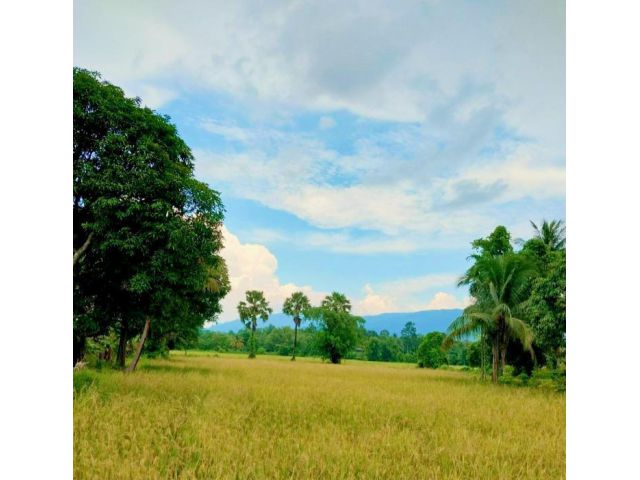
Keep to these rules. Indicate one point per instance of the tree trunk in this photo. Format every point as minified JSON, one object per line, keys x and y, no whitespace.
{"x":136,"y":358}
{"x":496,"y":361}
{"x":295,"y":341}
{"x":252,"y":342}
{"x":82,"y":249}
{"x":483,"y":365}
{"x":122,"y":346}
{"x":79,"y":348}
{"x":335,"y":357}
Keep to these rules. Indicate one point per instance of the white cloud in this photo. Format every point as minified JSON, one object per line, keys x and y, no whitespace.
{"x":409,"y":295}
{"x":460,"y":81}
{"x":253,"y":267}
{"x":373,"y":303}
{"x":368,"y":57}
{"x":444,"y":301}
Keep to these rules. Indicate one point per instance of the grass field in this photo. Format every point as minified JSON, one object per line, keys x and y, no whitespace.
{"x":210,"y":417}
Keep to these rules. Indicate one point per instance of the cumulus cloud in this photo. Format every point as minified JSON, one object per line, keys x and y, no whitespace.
{"x":409,"y":295}
{"x":253,"y":267}
{"x":444,"y":301}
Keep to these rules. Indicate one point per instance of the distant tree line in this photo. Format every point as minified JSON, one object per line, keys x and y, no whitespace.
{"x":370,"y":345}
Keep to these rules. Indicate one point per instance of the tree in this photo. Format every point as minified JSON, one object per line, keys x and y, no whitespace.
{"x":551,"y":234}
{"x":501,"y":285}
{"x":409,"y":336}
{"x":546,"y":307}
{"x":338,"y":329}
{"x":256,"y":306}
{"x":337,"y":302}
{"x":497,"y":243}
{"x":295,"y":306}
{"x":146,"y":232}
{"x":430,"y":353}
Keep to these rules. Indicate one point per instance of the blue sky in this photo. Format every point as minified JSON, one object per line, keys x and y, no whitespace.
{"x":358,"y":146}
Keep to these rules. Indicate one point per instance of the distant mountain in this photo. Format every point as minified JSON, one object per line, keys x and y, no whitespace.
{"x":426,"y":321}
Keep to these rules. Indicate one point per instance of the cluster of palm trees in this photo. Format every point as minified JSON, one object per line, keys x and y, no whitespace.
{"x":255,"y":306}
{"x":499,"y":283}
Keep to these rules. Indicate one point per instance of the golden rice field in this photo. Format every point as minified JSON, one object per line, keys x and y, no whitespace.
{"x":229,"y":417}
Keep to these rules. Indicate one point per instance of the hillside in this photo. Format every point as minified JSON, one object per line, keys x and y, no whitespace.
{"x":426,"y":321}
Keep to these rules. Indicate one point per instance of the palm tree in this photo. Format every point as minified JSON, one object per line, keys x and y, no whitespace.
{"x":255,"y":307}
{"x":551,"y":234}
{"x":337,"y":302}
{"x":293,"y":306}
{"x":500,"y":285}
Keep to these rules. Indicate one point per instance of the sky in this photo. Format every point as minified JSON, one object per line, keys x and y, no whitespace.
{"x":358,"y":146}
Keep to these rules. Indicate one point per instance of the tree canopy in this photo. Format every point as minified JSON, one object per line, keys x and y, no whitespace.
{"x":146,"y":232}
{"x":255,"y":307}
{"x":338,"y":329}
{"x":296,"y":306}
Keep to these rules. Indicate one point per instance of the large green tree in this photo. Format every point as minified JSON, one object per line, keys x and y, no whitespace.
{"x":255,"y":307}
{"x":146,"y":232}
{"x":546,"y":307}
{"x":501,"y":284}
{"x":295,"y":306}
{"x":430,"y":352}
{"x":338,"y":330}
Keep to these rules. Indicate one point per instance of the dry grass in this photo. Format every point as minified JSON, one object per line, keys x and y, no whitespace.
{"x":229,"y":417}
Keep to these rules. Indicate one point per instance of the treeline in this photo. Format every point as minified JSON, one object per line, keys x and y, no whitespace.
{"x":370,"y":345}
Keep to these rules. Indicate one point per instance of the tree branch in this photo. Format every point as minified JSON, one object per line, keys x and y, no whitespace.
{"x":82,"y":249}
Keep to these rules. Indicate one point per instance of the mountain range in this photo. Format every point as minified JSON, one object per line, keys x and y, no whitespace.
{"x":426,"y":321}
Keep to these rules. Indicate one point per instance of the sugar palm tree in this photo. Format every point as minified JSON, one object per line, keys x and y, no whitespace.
{"x":256,"y":306}
{"x":500,"y":287}
{"x":294,"y":306}
{"x":552,"y":234}
{"x":337,"y":302}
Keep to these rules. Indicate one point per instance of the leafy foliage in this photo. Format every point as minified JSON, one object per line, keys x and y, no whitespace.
{"x":339,"y":331}
{"x":409,"y":336}
{"x":430,"y":353}
{"x":296,"y":306}
{"x":149,"y":231}
{"x":256,"y":306}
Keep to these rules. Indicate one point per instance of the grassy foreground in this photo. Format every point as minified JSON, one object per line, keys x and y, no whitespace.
{"x":228,"y":417}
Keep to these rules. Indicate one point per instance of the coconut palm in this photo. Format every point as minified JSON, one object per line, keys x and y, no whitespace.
{"x":500,"y":288}
{"x":551,"y":234}
{"x":337,"y":302}
{"x":294,"y":306}
{"x":255,"y":307}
